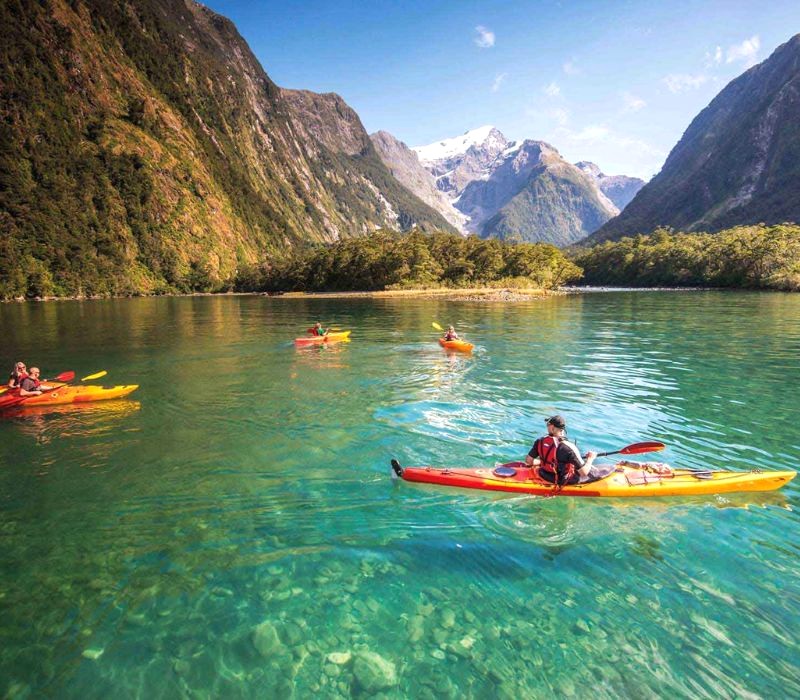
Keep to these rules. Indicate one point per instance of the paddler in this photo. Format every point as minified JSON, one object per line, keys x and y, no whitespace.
{"x":450,"y":333}
{"x":31,"y":385}
{"x":319,"y":330}
{"x":556,"y":459}
{"x":17,"y":375}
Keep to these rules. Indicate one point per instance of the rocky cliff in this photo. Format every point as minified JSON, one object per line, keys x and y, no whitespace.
{"x":620,"y":189}
{"x":404,"y":165}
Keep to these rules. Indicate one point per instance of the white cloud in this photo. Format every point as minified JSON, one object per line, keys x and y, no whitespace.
{"x":498,"y":81}
{"x":680,"y":82}
{"x":484,"y":38}
{"x":560,"y":115}
{"x":714,"y":59}
{"x":632,"y":103}
{"x":619,"y":154}
{"x":570,"y":68}
{"x":552,"y":90}
{"x":746,"y":52}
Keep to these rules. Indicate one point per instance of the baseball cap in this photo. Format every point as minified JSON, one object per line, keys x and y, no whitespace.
{"x":557,"y":421}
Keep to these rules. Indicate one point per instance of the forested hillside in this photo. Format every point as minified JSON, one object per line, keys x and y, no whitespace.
{"x":143,"y":149}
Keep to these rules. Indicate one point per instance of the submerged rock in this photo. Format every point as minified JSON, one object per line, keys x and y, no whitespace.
{"x":373,"y":673}
{"x":340,"y":658}
{"x":266,"y":640}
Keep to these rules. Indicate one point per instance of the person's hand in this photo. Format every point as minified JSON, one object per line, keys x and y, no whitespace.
{"x":591,"y":455}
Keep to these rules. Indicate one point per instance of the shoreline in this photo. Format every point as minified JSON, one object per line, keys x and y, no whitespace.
{"x":506,"y":294}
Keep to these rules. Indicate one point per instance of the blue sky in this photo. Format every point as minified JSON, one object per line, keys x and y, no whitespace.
{"x":616,"y":83}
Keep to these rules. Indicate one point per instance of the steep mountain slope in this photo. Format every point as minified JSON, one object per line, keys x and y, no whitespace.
{"x":737,"y":163}
{"x":143,"y":148}
{"x":521,"y":190}
{"x":620,"y":189}
{"x":404,"y":165}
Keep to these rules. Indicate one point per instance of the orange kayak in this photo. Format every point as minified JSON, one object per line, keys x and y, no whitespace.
{"x":459,"y":345}
{"x":320,"y":339}
{"x":68,"y":394}
{"x":624,"y":481}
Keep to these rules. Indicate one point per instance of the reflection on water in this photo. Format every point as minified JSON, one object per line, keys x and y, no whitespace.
{"x":234,"y":532}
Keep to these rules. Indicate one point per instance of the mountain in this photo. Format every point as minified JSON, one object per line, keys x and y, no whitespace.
{"x":620,"y":189}
{"x":522,"y":190}
{"x":144,"y":149}
{"x":737,"y":163}
{"x":404,"y":165}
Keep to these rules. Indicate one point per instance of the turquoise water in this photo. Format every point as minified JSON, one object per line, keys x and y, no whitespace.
{"x":233,"y":530}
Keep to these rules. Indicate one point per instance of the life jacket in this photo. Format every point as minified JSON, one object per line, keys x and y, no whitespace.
{"x":547,"y":451}
{"x":36,"y":383}
{"x":18,"y":377}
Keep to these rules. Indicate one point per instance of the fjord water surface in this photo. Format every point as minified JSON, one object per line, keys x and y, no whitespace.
{"x":232,"y":531}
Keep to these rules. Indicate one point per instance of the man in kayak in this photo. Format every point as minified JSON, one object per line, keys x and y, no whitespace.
{"x":450,"y":334}
{"x":319,"y":330}
{"x":556,"y":459}
{"x":31,"y":385}
{"x":17,"y":375}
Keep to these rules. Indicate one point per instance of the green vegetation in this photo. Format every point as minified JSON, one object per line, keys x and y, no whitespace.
{"x":387,"y":259}
{"x":143,"y":150}
{"x":748,"y":257}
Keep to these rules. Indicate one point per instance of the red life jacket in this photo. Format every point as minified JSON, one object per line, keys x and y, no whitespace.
{"x":547,"y":451}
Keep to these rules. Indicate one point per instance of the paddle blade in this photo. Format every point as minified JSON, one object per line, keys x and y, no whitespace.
{"x":65,"y":377}
{"x":96,"y":375}
{"x":641,"y":447}
{"x":437,"y":326}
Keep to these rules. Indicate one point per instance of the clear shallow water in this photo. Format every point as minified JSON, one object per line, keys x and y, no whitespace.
{"x":232,"y":527}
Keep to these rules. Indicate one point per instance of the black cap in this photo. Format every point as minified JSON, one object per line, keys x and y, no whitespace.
{"x":557,"y":421}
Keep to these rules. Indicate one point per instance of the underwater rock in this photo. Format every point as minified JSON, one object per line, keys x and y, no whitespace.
{"x":266,"y":640}
{"x":373,"y":673}
{"x":448,"y":618}
{"x":340,"y":658}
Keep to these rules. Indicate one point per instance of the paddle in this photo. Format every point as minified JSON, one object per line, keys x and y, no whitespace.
{"x":636,"y":448}
{"x":96,"y":375}
{"x":437,"y":326}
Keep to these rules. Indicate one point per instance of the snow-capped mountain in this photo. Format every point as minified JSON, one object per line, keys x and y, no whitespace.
{"x":516,"y":189}
{"x":404,"y":164}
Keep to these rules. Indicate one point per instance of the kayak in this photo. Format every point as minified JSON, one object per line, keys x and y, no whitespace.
{"x":68,"y":394}
{"x":459,"y":345}
{"x":319,"y":339}
{"x":623,"y":481}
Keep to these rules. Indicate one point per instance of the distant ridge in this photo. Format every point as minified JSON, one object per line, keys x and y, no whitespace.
{"x":737,"y":163}
{"x":516,"y":190}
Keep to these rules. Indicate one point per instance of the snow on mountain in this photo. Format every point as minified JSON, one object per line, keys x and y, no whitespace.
{"x":521,"y":189}
{"x":455,"y":146}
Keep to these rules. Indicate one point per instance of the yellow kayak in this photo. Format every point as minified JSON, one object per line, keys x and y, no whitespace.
{"x":68,"y":394}
{"x":623,"y":482}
